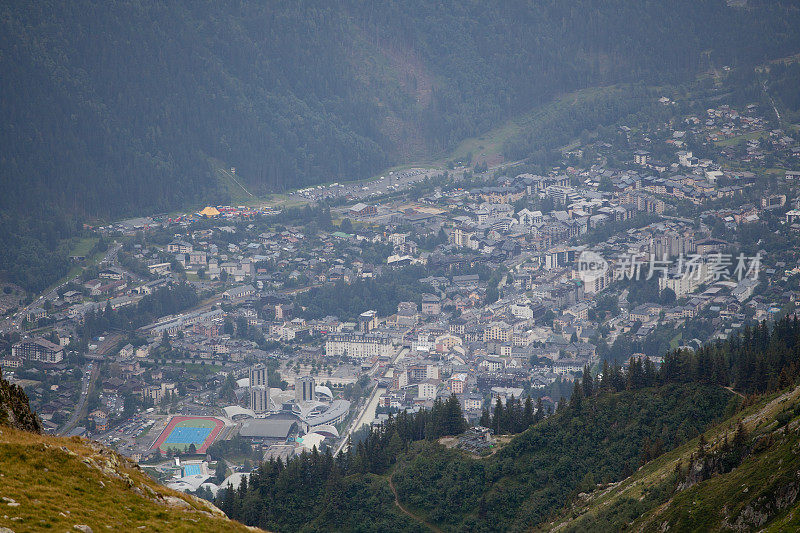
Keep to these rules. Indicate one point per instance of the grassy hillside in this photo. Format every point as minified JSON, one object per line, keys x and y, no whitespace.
{"x":58,"y":483}
{"x":55,"y":484}
{"x":747,"y":485}
{"x":555,"y":124}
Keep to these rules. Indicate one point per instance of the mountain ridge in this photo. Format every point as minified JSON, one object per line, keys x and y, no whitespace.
{"x":759,"y":492}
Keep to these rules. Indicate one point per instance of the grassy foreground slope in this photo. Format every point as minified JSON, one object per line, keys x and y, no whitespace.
{"x":49,"y":483}
{"x":743,"y":478}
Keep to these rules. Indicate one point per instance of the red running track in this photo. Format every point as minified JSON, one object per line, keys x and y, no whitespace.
{"x":218,"y":426}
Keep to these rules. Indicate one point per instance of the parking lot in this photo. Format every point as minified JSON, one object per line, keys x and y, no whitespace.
{"x":393,"y":181}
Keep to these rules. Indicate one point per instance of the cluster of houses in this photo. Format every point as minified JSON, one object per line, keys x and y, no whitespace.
{"x":521,"y":269}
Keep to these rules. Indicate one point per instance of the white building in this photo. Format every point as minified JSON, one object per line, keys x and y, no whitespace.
{"x":686,"y":283}
{"x":304,"y":389}
{"x":427,"y":389}
{"x":259,"y":376}
{"x":38,"y":349}
{"x":358,"y":345}
{"x":793,"y":216}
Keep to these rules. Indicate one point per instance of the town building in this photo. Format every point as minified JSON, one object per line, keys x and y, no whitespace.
{"x":38,"y":349}
{"x":358,"y":345}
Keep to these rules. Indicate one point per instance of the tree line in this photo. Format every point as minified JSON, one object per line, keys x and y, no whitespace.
{"x":515,"y":416}
{"x":759,"y":359}
{"x":285,"y":496}
{"x":168,"y":300}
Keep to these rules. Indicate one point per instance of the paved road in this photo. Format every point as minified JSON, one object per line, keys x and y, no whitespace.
{"x":367,"y":413}
{"x":392,"y":182}
{"x":88,"y":381}
{"x":365,"y":416}
{"x":774,"y":107}
{"x":90,"y":374}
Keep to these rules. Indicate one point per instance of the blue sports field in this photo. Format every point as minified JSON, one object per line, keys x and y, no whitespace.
{"x":184,"y":431}
{"x":188,"y":435}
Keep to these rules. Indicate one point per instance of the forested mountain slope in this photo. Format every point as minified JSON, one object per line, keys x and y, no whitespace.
{"x":115,"y":106}
{"x":607,"y":431}
{"x":538,"y":471}
{"x":739,"y":476}
{"x":521,"y":485}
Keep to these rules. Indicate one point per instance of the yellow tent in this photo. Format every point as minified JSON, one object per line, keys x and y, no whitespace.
{"x":209,"y":212}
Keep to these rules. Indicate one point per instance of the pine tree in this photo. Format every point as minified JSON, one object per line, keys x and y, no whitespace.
{"x":454,"y":418}
{"x":498,"y":417}
{"x":509,"y":421}
{"x":486,"y":418}
{"x":588,"y":385}
{"x":334,"y":493}
{"x":576,"y":401}
{"x":740,"y":437}
{"x":394,"y":446}
{"x":528,"y":416}
{"x":220,"y":472}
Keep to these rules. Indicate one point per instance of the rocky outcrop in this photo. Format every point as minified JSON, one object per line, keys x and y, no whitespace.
{"x":15,"y":411}
{"x":759,"y":512}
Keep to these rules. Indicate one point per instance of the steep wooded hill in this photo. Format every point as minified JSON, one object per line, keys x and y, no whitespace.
{"x":116,"y":106}
{"x":742,"y":475}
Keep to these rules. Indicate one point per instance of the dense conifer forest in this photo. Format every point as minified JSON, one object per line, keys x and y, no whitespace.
{"x":117,"y":108}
